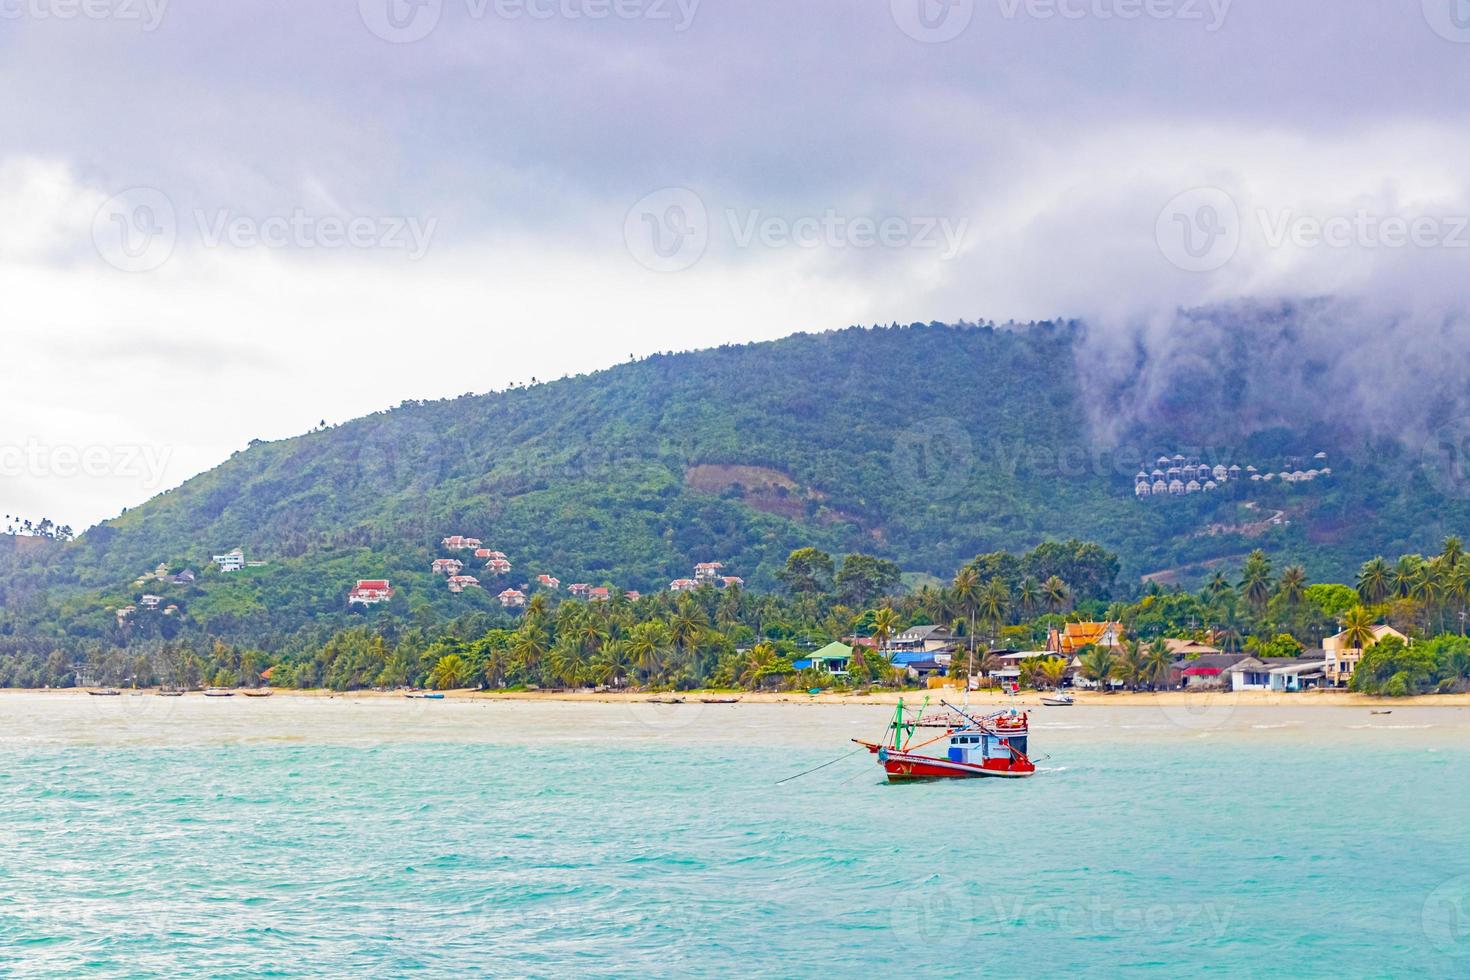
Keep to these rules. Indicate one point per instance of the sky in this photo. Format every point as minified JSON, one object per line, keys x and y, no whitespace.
{"x":221,"y":223}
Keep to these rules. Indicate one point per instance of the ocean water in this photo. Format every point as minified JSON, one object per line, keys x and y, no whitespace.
{"x":289,"y":837}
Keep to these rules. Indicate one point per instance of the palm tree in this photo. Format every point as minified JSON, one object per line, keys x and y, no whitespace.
{"x":885,"y":624}
{"x":1156,"y":665}
{"x":995,"y":602}
{"x":757,"y":664}
{"x":1452,"y":550}
{"x":450,"y":671}
{"x":1357,"y":628}
{"x":1053,"y":671}
{"x":1405,"y":570}
{"x":568,"y":662}
{"x":966,"y":592}
{"x":1373,"y":580}
{"x":530,"y":647}
{"x":1097,"y":665}
{"x":1426,"y":588}
{"x":1056,"y":594}
{"x":1129,"y":667}
{"x":648,"y":643}
{"x":1255,"y":580}
{"x":1029,"y":596}
{"x":1219,"y":585}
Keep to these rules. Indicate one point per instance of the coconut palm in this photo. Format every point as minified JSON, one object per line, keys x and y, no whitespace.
{"x":966,"y":595}
{"x":568,"y":661}
{"x":1028,"y":596}
{"x":530,"y":647}
{"x":1053,"y":671}
{"x":1357,"y":628}
{"x":1374,"y":580}
{"x":1405,"y":571}
{"x":1255,"y":580}
{"x":885,"y":624}
{"x":450,"y":671}
{"x":1097,"y":665}
{"x":1129,"y":667}
{"x":648,"y":645}
{"x":1055,"y":593}
{"x":995,"y":602}
{"x":1156,"y":665}
{"x":1452,"y":550}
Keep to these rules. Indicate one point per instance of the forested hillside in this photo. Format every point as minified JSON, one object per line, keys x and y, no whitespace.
{"x":926,"y":444}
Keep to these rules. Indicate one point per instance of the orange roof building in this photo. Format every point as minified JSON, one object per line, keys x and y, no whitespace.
{"x":1074,"y":636}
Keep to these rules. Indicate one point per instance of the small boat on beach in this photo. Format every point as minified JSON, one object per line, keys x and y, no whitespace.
{"x":1058,"y":700}
{"x":425,"y":695}
{"x":260,"y":692}
{"x":665,"y":700}
{"x":1381,"y":711}
{"x":719,"y":700}
{"x":977,"y":746}
{"x":105,"y":692}
{"x":218,"y":692}
{"x":165,"y":693}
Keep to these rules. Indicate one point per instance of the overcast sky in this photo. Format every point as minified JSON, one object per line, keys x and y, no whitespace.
{"x":221,"y":222}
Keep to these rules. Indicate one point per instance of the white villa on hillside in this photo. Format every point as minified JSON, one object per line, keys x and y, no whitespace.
{"x":230,"y":561}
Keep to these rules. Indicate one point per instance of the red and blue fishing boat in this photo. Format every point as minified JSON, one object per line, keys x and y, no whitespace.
{"x":976,"y":746}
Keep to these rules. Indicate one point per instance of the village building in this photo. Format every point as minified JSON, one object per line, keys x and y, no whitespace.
{"x":1277,"y":673}
{"x":924,"y":639}
{"x":579,"y":590}
{"x":632,"y":595}
{"x":831,"y":659}
{"x":600,"y":593}
{"x":370,"y":591}
{"x":458,"y":583}
{"x":1342,"y":659}
{"x":512,"y":598}
{"x":1204,"y":673}
{"x":458,"y":542}
{"x":707,"y":571}
{"x":230,"y":561}
{"x":726,"y":581}
{"x":1069,"y":640}
{"x":186,"y":577}
{"x":1188,"y":648}
{"x":549,"y":582}
{"x":683,"y":585}
{"x":150,"y":601}
{"x":447,"y":566}
{"x":498,"y":566}
{"x":485,"y":554}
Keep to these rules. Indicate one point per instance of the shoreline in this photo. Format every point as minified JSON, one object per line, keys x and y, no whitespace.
{"x":1027,"y":699}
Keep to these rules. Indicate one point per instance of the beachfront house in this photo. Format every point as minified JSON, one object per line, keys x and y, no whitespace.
{"x":1282,"y":674}
{"x":832,"y":659}
{"x":1188,"y":648}
{"x":1342,"y":659}
{"x":1204,"y":673}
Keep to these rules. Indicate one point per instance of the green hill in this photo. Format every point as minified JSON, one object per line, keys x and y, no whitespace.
{"x":926,"y":444}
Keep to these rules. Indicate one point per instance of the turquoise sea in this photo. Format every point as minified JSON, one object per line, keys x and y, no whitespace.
{"x":347,"y":838}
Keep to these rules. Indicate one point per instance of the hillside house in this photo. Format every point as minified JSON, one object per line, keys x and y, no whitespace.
{"x":186,"y":577}
{"x":458,"y":583}
{"x":485,"y":554}
{"x":230,"y":561}
{"x":599,"y":593}
{"x":369,"y":592}
{"x":683,"y":585}
{"x":512,"y":599}
{"x":632,"y":595}
{"x":727,"y":581}
{"x":579,"y":590}
{"x":498,"y":566}
{"x":150,"y":601}
{"x":549,"y":582}
{"x":447,"y":566}
{"x":707,"y":571}
{"x":1342,"y":659}
{"x":458,"y":542}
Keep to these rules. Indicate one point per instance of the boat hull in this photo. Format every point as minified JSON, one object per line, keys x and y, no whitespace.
{"x":903,"y":767}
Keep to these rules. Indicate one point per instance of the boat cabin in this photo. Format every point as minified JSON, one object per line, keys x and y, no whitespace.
{"x":978,"y":747}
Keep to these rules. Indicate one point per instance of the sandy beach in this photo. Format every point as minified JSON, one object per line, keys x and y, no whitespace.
{"x":1340,"y":699}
